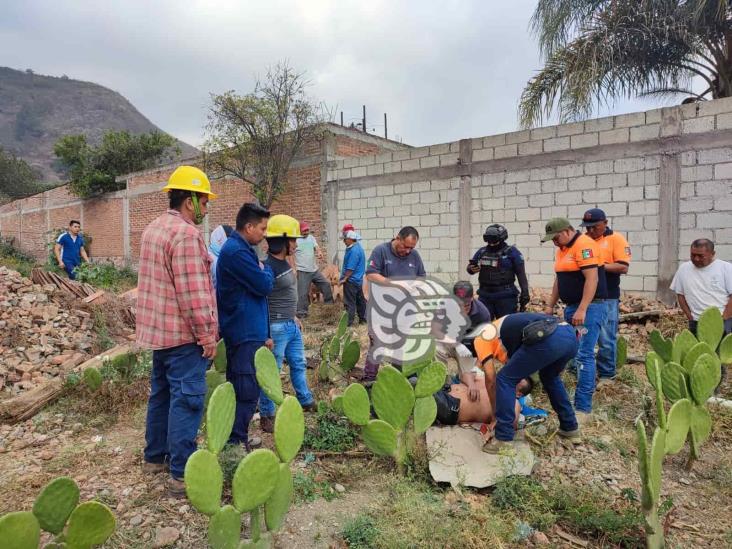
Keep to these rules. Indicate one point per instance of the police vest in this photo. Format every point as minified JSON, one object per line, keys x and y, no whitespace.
{"x":496,"y":268}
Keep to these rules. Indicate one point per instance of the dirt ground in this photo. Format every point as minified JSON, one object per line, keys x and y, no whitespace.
{"x":105,"y":457}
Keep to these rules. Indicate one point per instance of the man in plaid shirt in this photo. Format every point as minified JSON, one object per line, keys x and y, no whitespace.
{"x":177,"y":319}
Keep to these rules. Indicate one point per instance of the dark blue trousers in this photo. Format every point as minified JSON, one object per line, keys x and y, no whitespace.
{"x":175,"y":407}
{"x":500,"y":306}
{"x":69,"y":268}
{"x":242,"y":375}
{"x":548,"y":357}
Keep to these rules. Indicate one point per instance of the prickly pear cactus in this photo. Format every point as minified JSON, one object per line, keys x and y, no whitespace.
{"x":430,"y":380}
{"x":380,"y":437}
{"x":342,"y":326}
{"x":254,"y":480}
{"x":621,"y":352}
{"x":725,"y":350}
{"x":91,"y":523}
{"x":213,"y":380}
{"x":677,"y":426}
{"x":92,"y":378}
{"x":350,"y":356}
{"x":683,"y":343}
{"x":20,"y":530}
{"x":356,"y":404}
{"x":425,"y":413}
{"x":662,"y":346}
{"x":710,"y":327}
{"x":699,"y":429}
{"x":224,"y":528}
{"x":220,"y":417}
{"x":276,"y":507}
{"x":673,"y":377}
{"x":204,"y":481}
{"x":653,"y":364}
{"x":55,"y":503}
{"x":268,"y":375}
{"x":220,"y":361}
{"x":289,"y":429}
{"x":392,"y":397}
{"x":705,"y":376}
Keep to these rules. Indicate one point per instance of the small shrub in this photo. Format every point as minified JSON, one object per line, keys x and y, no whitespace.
{"x":15,"y":259}
{"x":229,"y":459}
{"x":331,"y":433}
{"x":308,"y":487}
{"x":360,"y":532}
{"x":106,"y":276}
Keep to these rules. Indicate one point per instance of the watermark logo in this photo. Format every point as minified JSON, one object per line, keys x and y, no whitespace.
{"x":406,"y":315}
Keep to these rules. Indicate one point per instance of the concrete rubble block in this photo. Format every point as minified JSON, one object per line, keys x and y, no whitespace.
{"x":458,"y":458}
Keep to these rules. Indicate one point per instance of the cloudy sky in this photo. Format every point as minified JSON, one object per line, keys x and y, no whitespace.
{"x":442,"y":70}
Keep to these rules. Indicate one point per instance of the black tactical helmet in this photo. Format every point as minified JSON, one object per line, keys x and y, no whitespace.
{"x":495,"y":234}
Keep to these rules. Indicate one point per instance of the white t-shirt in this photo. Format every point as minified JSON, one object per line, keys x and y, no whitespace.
{"x":707,"y":287}
{"x":305,"y":254}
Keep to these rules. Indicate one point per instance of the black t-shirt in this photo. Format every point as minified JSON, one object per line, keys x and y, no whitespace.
{"x":283,"y":299}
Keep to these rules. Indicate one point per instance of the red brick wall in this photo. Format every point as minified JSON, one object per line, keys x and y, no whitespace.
{"x":346,"y":146}
{"x":103,"y":221}
{"x":34,"y":233}
{"x":301,"y":197}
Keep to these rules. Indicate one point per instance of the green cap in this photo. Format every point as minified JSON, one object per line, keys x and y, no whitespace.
{"x":555,"y":226}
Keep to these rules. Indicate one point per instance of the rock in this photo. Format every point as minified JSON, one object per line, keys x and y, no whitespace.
{"x":184,"y":509}
{"x":539,"y":538}
{"x":166,"y":536}
{"x":339,"y":488}
{"x":136,"y":520}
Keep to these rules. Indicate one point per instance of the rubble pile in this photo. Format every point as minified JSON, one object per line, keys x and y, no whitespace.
{"x":41,"y":336}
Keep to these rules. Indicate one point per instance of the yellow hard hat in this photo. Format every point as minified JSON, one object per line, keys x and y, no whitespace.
{"x":281,"y":225}
{"x":190,"y":178}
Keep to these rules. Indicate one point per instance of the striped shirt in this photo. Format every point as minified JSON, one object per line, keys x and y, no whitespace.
{"x":176,"y":303}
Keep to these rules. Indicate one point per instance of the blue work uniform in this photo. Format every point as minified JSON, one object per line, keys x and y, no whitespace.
{"x":500,"y":266}
{"x":353,"y":298}
{"x":70,"y":252}
{"x":242,"y":288}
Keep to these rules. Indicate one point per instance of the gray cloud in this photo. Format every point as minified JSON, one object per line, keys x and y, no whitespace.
{"x":441,"y":70}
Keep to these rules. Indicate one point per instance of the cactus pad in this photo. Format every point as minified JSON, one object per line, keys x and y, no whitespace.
{"x":323,"y":370}
{"x":655,"y":462}
{"x":673,"y":381}
{"x":643,"y":465}
{"x":621,"y":352}
{"x":425,"y":412}
{"x":220,"y":417}
{"x":268,"y":375}
{"x":700,"y":428}
{"x":653,"y":363}
{"x":224,"y":528}
{"x":356,"y":404}
{"x":213,"y":380}
{"x":392,"y":397}
{"x":725,"y":350}
{"x":204,"y":481}
{"x":92,"y":378}
{"x":55,"y":503}
{"x":683,"y":342}
{"x":220,"y":360}
{"x":342,"y":326}
{"x":411,"y":368}
{"x":91,"y":523}
{"x":351,"y":354}
{"x":276,"y":507}
{"x":710,"y":327}
{"x":694,"y":353}
{"x":334,"y":349}
{"x":289,"y":429}
{"x":704,"y":378}
{"x":677,"y":426}
{"x":380,"y":437}
{"x":19,"y":530}
{"x":254,"y":480}
{"x":431,"y":379}
{"x":337,"y":405}
{"x":265,"y":542}
{"x":661,"y":345}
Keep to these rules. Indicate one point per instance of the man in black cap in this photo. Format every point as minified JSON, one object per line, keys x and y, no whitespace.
{"x":615,"y":254}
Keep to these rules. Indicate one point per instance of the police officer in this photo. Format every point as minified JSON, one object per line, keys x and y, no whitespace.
{"x":498,"y":265}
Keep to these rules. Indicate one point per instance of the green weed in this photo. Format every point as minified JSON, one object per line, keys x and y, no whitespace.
{"x":106,"y":276}
{"x":309,"y":487}
{"x":99,"y":325}
{"x":229,"y":459}
{"x":627,"y":376}
{"x":13,"y":258}
{"x":331,"y":433}
{"x":360,"y":532}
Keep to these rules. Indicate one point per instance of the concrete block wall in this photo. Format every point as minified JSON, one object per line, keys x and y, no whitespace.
{"x":664,"y":177}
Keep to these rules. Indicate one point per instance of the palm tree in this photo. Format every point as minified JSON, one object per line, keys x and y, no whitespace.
{"x":597,"y":51}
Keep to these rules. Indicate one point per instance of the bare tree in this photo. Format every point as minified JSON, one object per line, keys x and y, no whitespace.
{"x":255,"y":137}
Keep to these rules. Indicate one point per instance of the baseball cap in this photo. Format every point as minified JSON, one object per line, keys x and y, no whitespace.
{"x":352,"y":235}
{"x":593,"y":217}
{"x":304,"y":226}
{"x":348,"y":227}
{"x":463,"y":290}
{"x":555,"y":226}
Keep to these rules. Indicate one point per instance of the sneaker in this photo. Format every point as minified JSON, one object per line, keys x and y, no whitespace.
{"x":574,"y":436}
{"x":154,"y":468}
{"x":605,"y":382}
{"x":312,"y":407}
{"x":176,"y":487}
{"x":583,"y":418}
{"x":499,"y":447}
{"x":266,"y":423}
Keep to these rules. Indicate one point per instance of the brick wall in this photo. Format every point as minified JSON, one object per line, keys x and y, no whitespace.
{"x":664,"y":177}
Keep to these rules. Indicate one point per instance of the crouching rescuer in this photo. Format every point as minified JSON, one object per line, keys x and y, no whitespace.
{"x":176,"y":318}
{"x":527,"y":343}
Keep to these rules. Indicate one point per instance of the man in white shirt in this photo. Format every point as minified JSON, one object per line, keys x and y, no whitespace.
{"x":704,"y":282}
{"x":307,"y":255}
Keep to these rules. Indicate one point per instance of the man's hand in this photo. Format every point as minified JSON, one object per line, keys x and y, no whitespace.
{"x":473,"y":268}
{"x":209,"y":351}
{"x":269,"y":344}
{"x":473,"y":391}
{"x":579,"y":317}
{"x":61,"y":264}
{"x":549,"y":310}
{"x":298,"y":323}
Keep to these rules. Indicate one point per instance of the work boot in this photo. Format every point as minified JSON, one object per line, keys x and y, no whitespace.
{"x":176,"y":487}
{"x":312,"y":407}
{"x":266,"y":423}
{"x":574,"y":436}
{"x":253,"y":442}
{"x":583,"y":418}
{"x":499,"y":447}
{"x":154,"y":468}
{"x":605,"y":382}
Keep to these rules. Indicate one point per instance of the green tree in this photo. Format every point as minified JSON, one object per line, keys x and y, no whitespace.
{"x":94,"y":169}
{"x":597,"y":51}
{"x":17,"y":178}
{"x":255,"y":137}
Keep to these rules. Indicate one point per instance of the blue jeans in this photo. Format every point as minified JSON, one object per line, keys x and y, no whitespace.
{"x":608,"y":341}
{"x":288,"y":344}
{"x":594,"y":319}
{"x":175,"y":406}
{"x":549,"y":358}
{"x":241,"y":374}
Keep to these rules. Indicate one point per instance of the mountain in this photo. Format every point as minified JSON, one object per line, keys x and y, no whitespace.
{"x":36,"y":110}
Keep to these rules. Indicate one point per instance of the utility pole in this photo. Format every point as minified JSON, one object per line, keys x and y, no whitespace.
{"x":364,"y":119}
{"x":386,"y":133}
{"x":341,"y":118}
